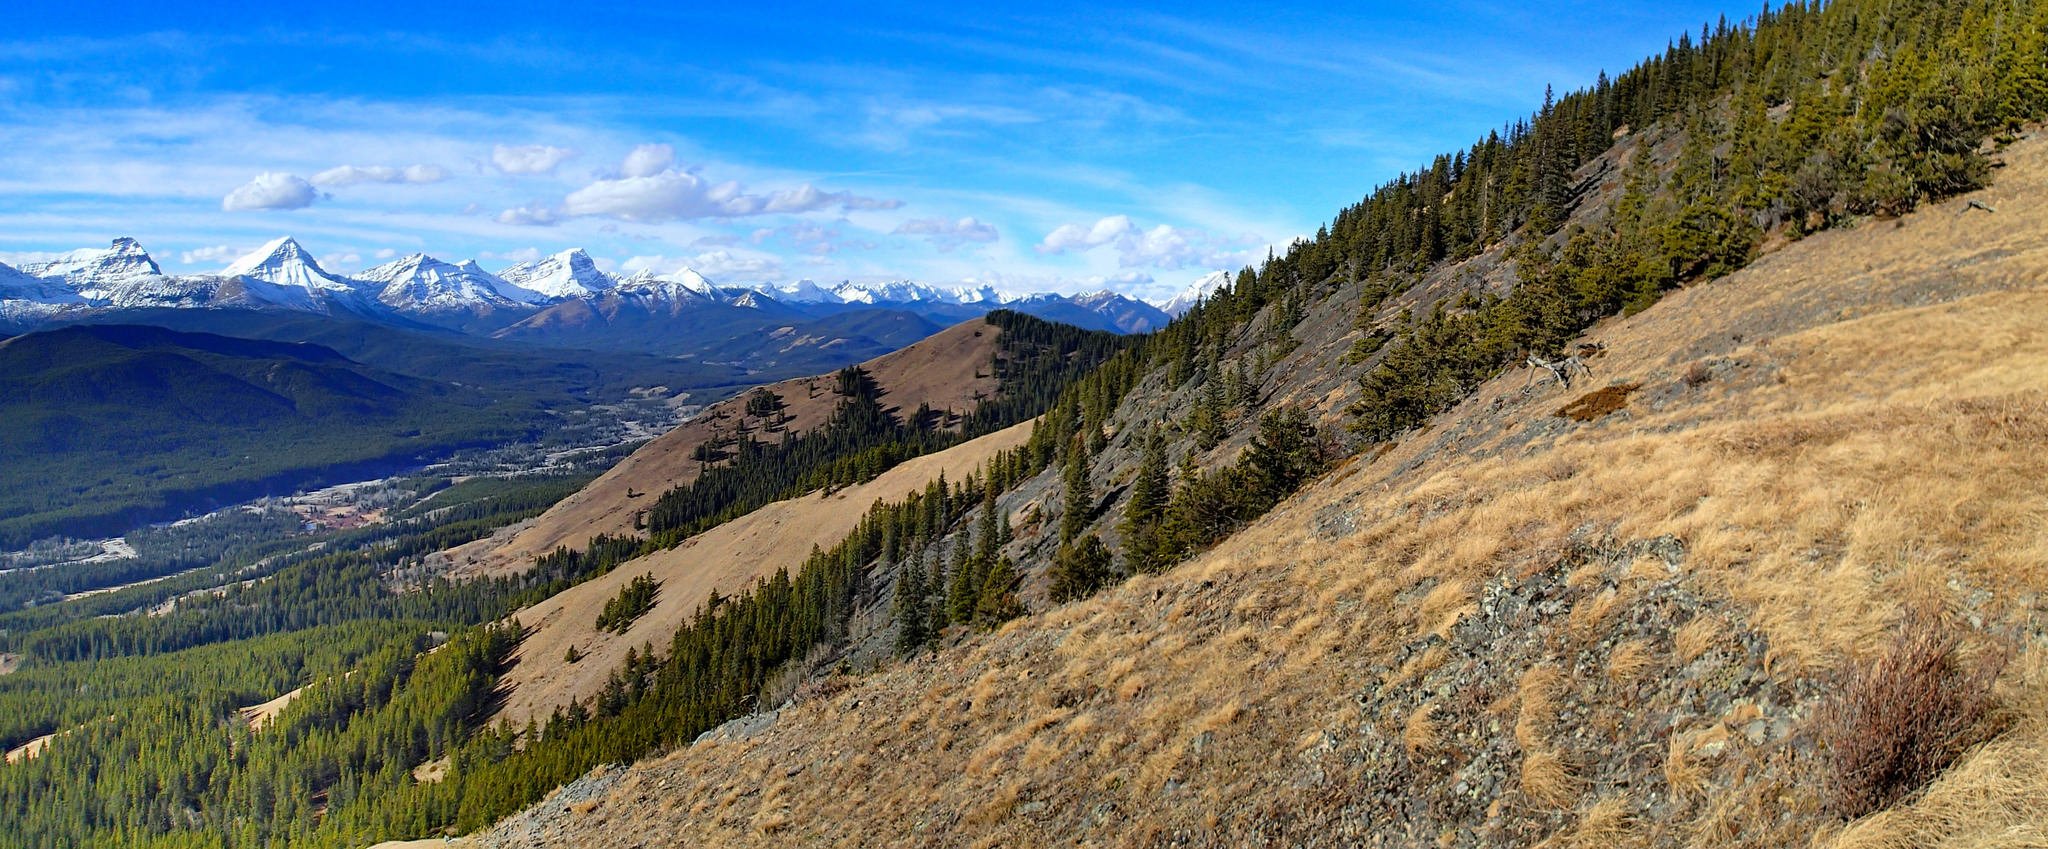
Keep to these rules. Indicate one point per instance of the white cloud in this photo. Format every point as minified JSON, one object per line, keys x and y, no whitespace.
{"x":946,"y":234}
{"x":385,"y":253}
{"x":514,"y":256}
{"x":1122,"y":281}
{"x":529,"y":158}
{"x":208,"y":255}
{"x":715,"y":265}
{"x":345,"y":261}
{"x":682,"y":195}
{"x":271,"y":190}
{"x":21,"y":258}
{"x":530,"y":215}
{"x":348,"y":175}
{"x":648,"y":160}
{"x":1164,"y":246}
{"x":1074,"y":237}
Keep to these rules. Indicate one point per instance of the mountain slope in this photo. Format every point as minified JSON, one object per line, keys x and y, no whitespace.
{"x":1513,"y":626}
{"x":949,"y":370}
{"x":725,"y":560}
{"x":227,"y":418}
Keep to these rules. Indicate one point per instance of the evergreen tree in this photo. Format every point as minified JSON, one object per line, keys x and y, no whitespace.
{"x":912,"y":619}
{"x":1081,"y":568}
{"x":998,"y":602}
{"x":1208,"y":419}
{"x":1284,"y":453}
{"x":1080,"y":496}
{"x":940,"y":610}
{"x":1145,"y":508}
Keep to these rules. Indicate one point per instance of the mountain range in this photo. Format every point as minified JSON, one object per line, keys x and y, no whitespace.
{"x":565,"y":293}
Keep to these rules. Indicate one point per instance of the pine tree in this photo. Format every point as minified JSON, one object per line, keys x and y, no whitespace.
{"x":912,"y":619}
{"x":1146,"y":508}
{"x":1208,"y":421}
{"x":940,"y":611}
{"x":1080,"y":497}
{"x":1282,"y":454}
{"x":1079,"y":569}
{"x":998,"y":601}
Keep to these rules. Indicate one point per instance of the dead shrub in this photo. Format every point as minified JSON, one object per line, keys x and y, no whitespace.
{"x":1598,"y":402}
{"x":1697,"y":375}
{"x":1894,"y":725}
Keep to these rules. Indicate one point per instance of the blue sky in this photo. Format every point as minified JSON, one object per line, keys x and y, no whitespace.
{"x":1036,"y":147}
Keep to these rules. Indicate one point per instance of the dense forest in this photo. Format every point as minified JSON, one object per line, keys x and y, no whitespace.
{"x":1806,"y":117}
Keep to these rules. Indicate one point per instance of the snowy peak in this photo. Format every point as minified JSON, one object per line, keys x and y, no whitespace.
{"x":986,"y":295}
{"x":891,"y":292}
{"x":423,"y":283}
{"x":1200,"y":290}
{"x":90,"y":270}
{"x":804,"y":291}
{"x":682,"y":286}
{"x":569,"y":274}
{"x":282,"y":262}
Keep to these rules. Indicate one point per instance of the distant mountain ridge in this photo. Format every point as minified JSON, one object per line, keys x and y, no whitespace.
{"x":284,"y":275}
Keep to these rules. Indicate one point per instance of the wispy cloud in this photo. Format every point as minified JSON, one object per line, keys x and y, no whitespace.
{"x":673,"y":195}
{"x":529,"y":158}
{"x":1161,"y":246}
{"x":947,"y":234}
{"x":349,"y":175}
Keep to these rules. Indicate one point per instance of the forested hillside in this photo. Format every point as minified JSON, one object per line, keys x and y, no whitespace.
{"x":226,"y":419}
{"x":1669,"y":604}
{"x":1486,"y":627}
{"x":1737,"y":141}
{"x":335,"y":765}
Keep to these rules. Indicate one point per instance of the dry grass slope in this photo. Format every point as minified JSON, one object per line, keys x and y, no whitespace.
{"x":949,"y":370}
{"x":1514,"y":628}
{"x":725,"y":559}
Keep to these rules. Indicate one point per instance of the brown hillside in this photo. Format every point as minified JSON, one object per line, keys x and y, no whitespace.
{"x":725,"y":559}
{"x":949,"y":370}
{"x":1514,"y":629}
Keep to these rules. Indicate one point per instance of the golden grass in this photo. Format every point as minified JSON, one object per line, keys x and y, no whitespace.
{"x":1600,"y":825}
{"x":1870,"y":453}
{"x":1630,"y":660}
{"x":1536,"y":693}
{"x":1548,"y":780}
{"x":1419,"y":733}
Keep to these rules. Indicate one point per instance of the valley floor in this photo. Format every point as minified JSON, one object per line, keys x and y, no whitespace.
{"x":1514,"y":627}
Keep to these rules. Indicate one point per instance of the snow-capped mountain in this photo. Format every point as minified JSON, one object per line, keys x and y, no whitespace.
{"x":890,"y":292}
{"x":803,"y":291}
{"x":420,"y":283}
{"x":283,"y":263}
{"x":26,"y":299}
{"x":885,"y":293}
{"x":683,"y":286}
{"x":18,"y":285}
{"x":1095,"y":310}
{"x":563,"y":290}
{"x":1196,"y":292}
{"x":98,"y":272}
{"x":569,"y":274}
